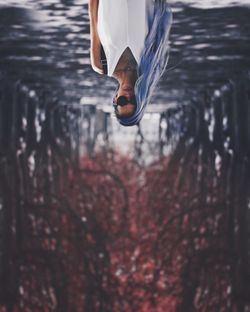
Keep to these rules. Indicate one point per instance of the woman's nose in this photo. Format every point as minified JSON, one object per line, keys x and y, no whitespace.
{"x":128,"y":92}
{"x":127,"y":88}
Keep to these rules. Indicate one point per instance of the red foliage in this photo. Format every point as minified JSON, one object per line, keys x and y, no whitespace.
{"x":121,"y":237}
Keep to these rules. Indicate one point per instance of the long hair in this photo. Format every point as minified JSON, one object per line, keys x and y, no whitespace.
{"x":153,"y":61}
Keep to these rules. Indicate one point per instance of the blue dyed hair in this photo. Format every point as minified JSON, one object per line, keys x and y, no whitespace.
{"x":153,"y":61}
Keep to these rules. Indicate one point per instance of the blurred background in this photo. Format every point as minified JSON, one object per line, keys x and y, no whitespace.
{"x":96,"y":217}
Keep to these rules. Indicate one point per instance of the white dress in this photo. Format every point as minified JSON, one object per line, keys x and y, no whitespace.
{"x":122,"y":24}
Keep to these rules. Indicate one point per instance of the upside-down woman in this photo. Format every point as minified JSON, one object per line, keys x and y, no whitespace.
{"x":129,"y":42}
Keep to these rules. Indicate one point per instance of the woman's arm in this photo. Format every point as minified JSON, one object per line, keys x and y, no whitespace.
{"x":95,"y":43}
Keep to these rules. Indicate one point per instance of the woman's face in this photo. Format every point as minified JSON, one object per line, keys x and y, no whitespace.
{"x":125,"y":111}
{"x":125,"y":100}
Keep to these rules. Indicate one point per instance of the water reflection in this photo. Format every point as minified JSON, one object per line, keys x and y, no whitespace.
{"x":84,"y":227}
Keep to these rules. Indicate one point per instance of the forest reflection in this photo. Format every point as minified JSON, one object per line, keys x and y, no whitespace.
{"x":102,"y":232}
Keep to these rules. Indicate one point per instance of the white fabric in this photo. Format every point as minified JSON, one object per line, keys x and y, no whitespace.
{"x":122,"y":24}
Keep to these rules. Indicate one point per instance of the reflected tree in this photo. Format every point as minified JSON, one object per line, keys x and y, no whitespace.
{"x":98,"y":231}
